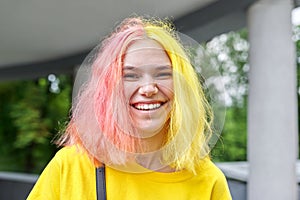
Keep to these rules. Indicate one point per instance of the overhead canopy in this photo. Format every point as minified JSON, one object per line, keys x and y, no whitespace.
{"x":39,"y":37}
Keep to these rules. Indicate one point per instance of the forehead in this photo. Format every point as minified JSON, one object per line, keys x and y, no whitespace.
{"x":146,"y":52}
{"x":144,"y":44}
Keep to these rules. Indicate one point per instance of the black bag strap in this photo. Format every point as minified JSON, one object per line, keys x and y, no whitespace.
{"x":100,"y":183}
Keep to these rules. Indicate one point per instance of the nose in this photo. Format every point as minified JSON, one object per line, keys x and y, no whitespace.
{"x":148,"y":90}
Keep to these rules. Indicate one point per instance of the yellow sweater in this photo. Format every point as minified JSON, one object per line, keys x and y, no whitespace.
{"x":71,"y":175}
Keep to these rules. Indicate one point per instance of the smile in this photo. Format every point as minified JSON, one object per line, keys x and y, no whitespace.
{"x":147,"y":106}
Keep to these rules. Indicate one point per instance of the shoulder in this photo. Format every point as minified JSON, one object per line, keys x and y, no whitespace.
{"x":71,"y":155}
{"x":216,"y":179}
{"x":68,"y":151}
{"x":211,"y":175}
{"x":210,"y":169}
{"x":69,"y":168}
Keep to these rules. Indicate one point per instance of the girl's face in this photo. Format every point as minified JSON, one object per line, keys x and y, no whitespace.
{"x":148,"y":86}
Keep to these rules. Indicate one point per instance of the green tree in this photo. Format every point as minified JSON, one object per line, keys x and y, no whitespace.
{"x":30,"y":116}
{"x":229,"y":54}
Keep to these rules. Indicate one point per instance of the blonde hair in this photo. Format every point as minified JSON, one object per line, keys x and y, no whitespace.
{"x":191,"y":115}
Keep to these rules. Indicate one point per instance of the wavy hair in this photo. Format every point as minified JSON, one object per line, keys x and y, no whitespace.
{"x":100,"y":122}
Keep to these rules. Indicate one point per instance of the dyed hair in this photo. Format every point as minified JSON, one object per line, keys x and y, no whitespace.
{"x":100,"y":122}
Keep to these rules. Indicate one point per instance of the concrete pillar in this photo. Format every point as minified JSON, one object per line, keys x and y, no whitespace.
{"x":272,"y":103}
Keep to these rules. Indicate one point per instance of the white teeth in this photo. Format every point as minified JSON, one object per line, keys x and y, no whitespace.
{"x":147,"y":106}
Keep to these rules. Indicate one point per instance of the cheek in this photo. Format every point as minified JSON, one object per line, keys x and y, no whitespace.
{"x":129,"y":89}
{"x":168,"y":88}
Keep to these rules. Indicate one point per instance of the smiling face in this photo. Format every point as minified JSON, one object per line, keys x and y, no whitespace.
{"x":148,"y":87}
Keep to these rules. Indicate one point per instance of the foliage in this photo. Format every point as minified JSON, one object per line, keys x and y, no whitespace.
{"x":229,"y":54}
{"x":29,"y":118}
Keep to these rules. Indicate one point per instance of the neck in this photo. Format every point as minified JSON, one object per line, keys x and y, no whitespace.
{"x":152,"y":154}
{"x":152,"y":161}
{"x":152,"y":144}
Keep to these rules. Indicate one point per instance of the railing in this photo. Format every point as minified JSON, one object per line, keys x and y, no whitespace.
{"x":236,"y":174}
{"x":15,"y":186}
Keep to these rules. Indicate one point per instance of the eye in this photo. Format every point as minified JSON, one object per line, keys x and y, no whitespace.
{"x":164,"y":75}
{"x":130,"y":76}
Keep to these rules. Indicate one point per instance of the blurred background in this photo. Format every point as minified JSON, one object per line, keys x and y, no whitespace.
{"x":48,"y":41}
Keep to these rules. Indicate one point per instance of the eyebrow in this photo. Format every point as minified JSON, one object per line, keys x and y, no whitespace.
{"x":164,"y":67}
{"x":128,"y":67}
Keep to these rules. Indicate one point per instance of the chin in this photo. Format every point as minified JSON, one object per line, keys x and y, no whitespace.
{"x":149,"y":131}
